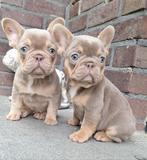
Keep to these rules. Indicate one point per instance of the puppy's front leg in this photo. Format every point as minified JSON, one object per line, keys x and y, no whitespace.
{"x":87,"y":129}
{"x":15,"y":110}
{"x":51,"y":116}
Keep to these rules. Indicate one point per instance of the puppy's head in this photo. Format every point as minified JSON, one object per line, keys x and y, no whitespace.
{"x":36,"y":49}
{"x":84,"y":55}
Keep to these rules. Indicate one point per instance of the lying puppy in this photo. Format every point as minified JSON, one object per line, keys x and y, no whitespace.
{"x":98,"y":105}
{"x":36,"y":88}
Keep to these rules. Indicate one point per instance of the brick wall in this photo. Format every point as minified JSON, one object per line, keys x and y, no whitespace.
{"x":127,"y":62}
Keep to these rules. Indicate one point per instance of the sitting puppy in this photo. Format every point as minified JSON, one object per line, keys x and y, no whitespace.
{"x":36,"y":88}
{"x":98,"y":105}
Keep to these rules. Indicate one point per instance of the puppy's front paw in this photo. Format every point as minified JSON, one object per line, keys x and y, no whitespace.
{"x":79,"y":137}
{"x":39,"y":115}
{"x":73,"y":122}
{"x":14,"y":116}
{"x":50,"y":121}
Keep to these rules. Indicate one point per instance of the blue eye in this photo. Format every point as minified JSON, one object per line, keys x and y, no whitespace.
{"x":51,"y":51}
{"x":24,"y":49}
{"x":74,"y":56}
{"x":102,"y":59}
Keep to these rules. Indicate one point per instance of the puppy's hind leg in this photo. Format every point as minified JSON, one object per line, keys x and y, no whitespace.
{"x":102,"y":136}
{"x":39,"y":115}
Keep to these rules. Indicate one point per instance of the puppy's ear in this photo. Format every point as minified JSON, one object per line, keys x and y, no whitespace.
{"x":59,"y":20}
{"x":13,"y":30}
{"x":106,"y":36}
{"x":62,"y":37}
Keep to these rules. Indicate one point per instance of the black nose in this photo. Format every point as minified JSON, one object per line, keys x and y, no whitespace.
{"x":90,"y":65}
{"x":39,"y":57}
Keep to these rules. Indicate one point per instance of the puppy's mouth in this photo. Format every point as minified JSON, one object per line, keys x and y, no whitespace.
{"x":88,"y":78}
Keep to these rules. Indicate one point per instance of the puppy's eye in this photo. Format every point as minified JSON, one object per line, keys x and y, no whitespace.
{"x":51,"y":50}
{"x":74,"y":56}
{"x":102,"y":59}
{"x":24,"y":49}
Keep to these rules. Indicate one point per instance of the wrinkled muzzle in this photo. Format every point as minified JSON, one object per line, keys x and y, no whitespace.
{"x":87,"y":71}
{"x":38,"y":64}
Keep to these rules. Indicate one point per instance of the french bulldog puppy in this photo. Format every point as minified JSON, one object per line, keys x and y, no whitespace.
{"x":99,"y":106}
{"x":36,"y":88}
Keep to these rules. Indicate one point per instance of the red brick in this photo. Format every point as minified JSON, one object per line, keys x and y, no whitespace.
{"x":3,"y":67}
{"x":139,"y":107}
{"x":4,"y":47}
{"x":23,"y":18}
{"x":5,"y":91}
{"x":78,"y":24}
{"x":127,"y":56}
{"x":64,"y":2}
{"x":74,"y":9}
{"x":89,"y":4}
{"x":103,"y":14}
{"x":133,"y":5}
{"x":141,"y":57}
{"x":44,"y":7}
{"x":138,"y":83}
{"x":132,"y":28}
{"x":124,"y":56}
{"x":13,"y":2}
{"x":2,"y":34}
{"x":119,"y":78}
{"x":6,"y":79}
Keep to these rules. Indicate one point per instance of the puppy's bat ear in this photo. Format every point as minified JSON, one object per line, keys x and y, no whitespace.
{"x":106,"y":36}
{"x":62,"y":37}
{"x":59,"y":20}
{"x":13,"y":31}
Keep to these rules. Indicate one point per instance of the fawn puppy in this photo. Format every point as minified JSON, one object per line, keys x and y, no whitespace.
{"x":36,"y":88}
{"x":99,"y":106}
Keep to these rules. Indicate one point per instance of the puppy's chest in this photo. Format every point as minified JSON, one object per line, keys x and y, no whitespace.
{"x":35,"y":102}
{"x":78,"y":98}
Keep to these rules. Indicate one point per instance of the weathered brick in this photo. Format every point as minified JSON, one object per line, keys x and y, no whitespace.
{"x":141,"y":57}
{"x":3,"y":48}
{"x":124,"y":56}
{"x":5,"y":91}
{"x":78,"y":24}
{"x":133,"y":5}
{"x":6,"y":79}
{"x":23,"y":18}
{"x":44,"y":7}
{"x":138,"y":83}
{"x":119,"y":78}
{"x":2,"y":35}
{"x":89,"y":4}
{"x":139,"y":107}
{"x":103,"y":14}
{"x":74,"y":9}
{"x":130,"y":29}
{"x":13,"y":2}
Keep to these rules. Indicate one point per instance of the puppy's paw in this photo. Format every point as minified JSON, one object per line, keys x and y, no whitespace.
{"x":40,"y":115}
{"x":50,"y":121}
{"x":73,"y":122}
{"x":14,"y":116}
{"x":102,"y":137}
{"x":79,"y":137}
{"x":25,"y":113}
